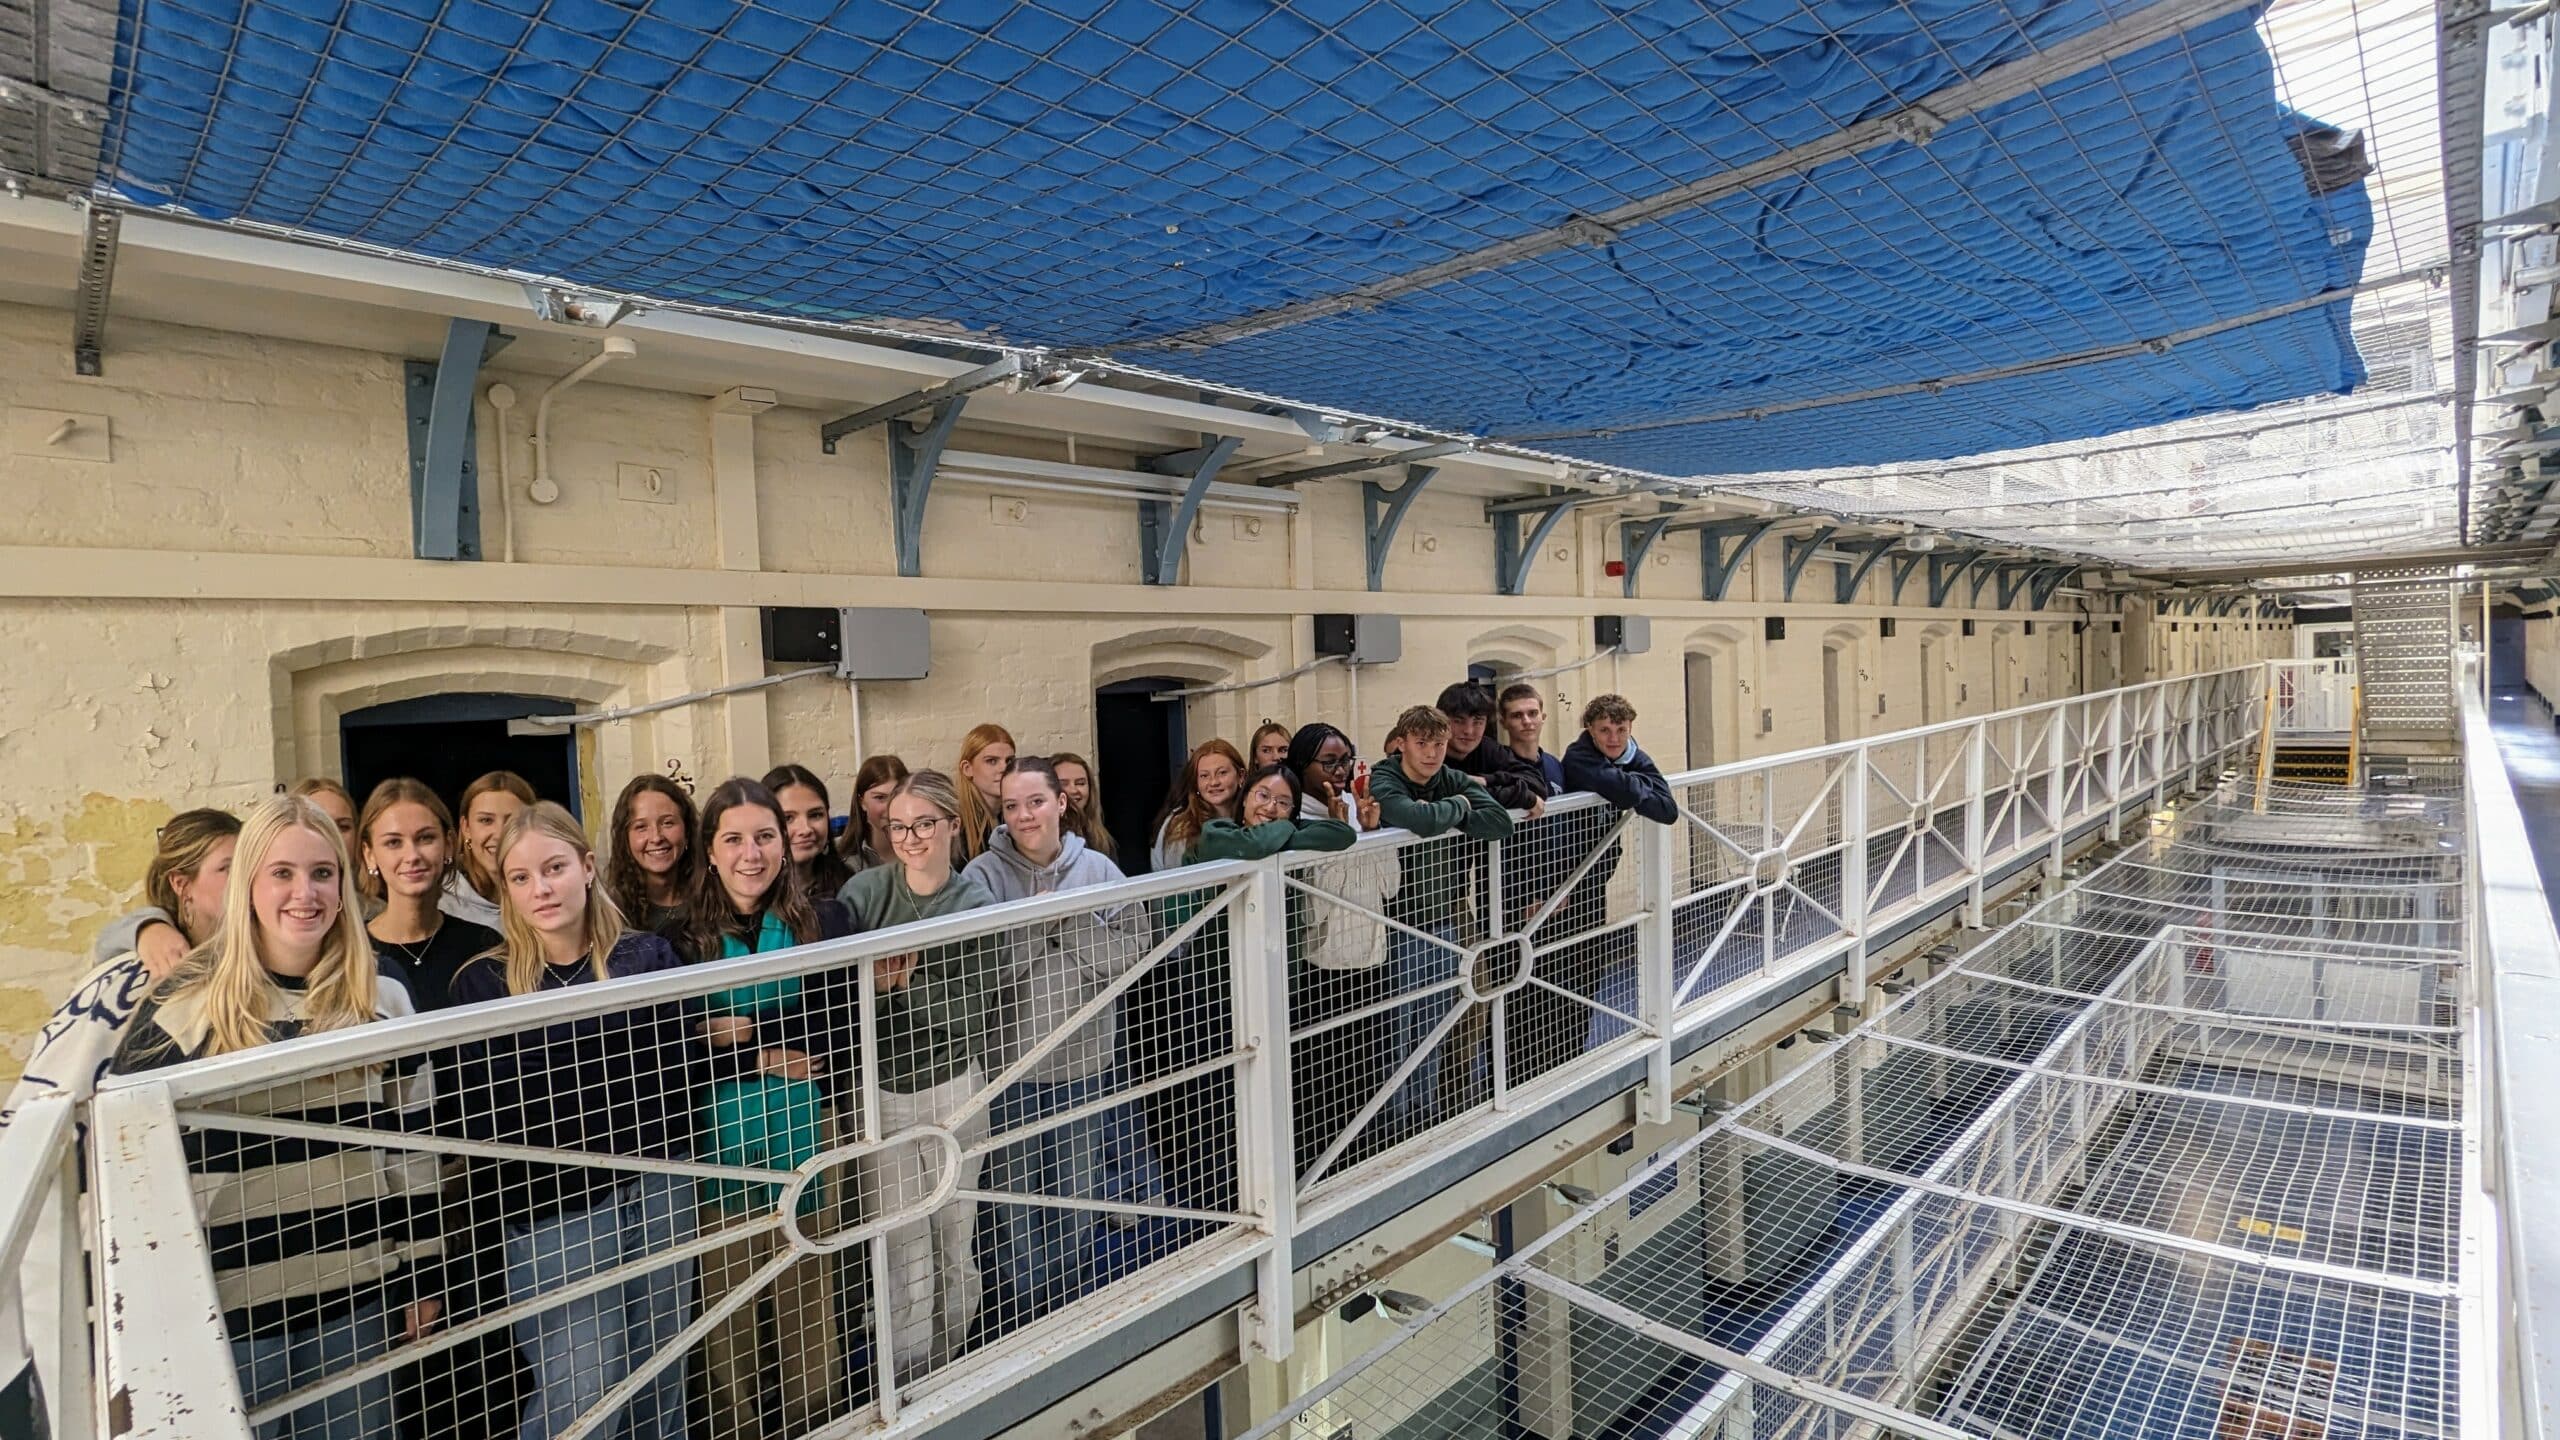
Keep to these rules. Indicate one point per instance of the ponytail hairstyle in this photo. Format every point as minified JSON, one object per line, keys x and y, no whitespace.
{"x":975,"y":819}
{"x":225,"y":983}
{"x":876,"y":771}
{"x":710,"y":916}
{"x":1086,"y":819}
{"x":184,"y":844}
{"x":823,"y":874}
{"x":323,"y":785}
{"x":401,"y":790}
{"x":468,"y":855}
{"x":603,"y":919}
{"x":622,"y":876}
{"x":1253,"y":746}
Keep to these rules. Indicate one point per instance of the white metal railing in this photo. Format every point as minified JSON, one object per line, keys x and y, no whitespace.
{"x":2511,"y":1170}
{"x":1287,"y":1038}
{"x":2313,"y":697}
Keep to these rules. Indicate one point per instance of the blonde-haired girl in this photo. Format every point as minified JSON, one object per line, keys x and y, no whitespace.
{"x":618,"y":1084}
{"x":345,"y":1268}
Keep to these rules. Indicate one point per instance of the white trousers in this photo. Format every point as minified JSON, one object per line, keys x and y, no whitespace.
{"x":933,"y":1290}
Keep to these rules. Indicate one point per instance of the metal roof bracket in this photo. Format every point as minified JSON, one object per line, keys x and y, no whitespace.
{"x":1796,"y":550}
{"x":1384,"y":511}
{"x":444,"y":465}
{"x":1720,"y":564}
{"x":1165,"y":530}
{"x":1846,"y":577}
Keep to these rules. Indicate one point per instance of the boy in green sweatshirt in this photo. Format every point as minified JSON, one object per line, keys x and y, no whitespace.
{"x":1418,"y":790}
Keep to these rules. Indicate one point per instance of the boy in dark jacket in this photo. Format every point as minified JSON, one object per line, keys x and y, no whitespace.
{"x":1519,"y":784}
{"x":1606,"y":761}
{"x":1549,"y":1029}
{"x":1418,"y":790}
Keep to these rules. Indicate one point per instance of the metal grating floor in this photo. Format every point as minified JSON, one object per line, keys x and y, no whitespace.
{"x":2177,"y":1154}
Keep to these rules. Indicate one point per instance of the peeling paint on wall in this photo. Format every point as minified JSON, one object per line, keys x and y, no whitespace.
{"x":63,"y":876}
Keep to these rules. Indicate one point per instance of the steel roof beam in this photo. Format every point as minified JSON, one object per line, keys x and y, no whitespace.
{"x":1915,"y":122}
{"x":999,"y":371}
{"x":1368,"y":462}
{"x":2121,"y":350}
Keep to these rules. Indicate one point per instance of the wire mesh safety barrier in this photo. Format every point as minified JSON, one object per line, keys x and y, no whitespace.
{"x":2142,"y":1162}
{"x":960,"y":1145}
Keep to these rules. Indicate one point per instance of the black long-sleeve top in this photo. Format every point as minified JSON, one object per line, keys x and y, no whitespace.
{"x":622,"y":1083}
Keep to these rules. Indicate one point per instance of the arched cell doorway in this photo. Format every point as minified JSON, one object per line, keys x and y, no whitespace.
{"x":449,"y":740}
{"x":1140,"y":744}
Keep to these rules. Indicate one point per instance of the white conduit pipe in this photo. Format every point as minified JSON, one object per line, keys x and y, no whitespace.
{"x":1569,"y":666}
{"x":502,"y":403}
{"x":853,"y":698}
{"x":544,"y":489}
{"x":572,"y":722}
{"x":1186,"y":693}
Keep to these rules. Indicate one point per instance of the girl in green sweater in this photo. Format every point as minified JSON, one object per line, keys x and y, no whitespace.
{"x":931,"y":1023}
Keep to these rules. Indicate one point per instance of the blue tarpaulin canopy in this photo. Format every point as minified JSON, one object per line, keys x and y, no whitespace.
{"x":1397,"y":208}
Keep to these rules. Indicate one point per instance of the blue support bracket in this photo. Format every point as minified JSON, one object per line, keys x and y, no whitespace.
{"x":1384,"y":510}
{"x":2013,"y":579}
{"x":1903,"y":566}
{"x":2192,"y":602}
{"x":1635,"y":542}
{"x":444,"y":464}
{"x":1514,"y":553}
{"x":1165,"y":530}
{"x":1984,"y":572}
{"x":915,"y":453}
{"x":1945,"y":571}
{"x":1720,"y":564}
{"x":2049,"y":580}
{"x":1846,"y":578}
{"x":1795,"y":552}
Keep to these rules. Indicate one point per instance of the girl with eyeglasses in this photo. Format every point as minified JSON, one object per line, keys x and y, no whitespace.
{"x":930,"y":1027}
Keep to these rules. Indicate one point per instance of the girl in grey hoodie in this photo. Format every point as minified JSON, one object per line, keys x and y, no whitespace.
{"x":1048,"y":972}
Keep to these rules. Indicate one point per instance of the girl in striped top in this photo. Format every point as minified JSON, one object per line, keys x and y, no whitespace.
{"x":324,"y":1253}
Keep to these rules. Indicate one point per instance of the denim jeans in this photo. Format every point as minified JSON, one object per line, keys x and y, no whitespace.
{"x":1044,"y":1253}
{"x":1415,"y":964}
{"x":581,"y":1349}
{"x":275,"y":1365}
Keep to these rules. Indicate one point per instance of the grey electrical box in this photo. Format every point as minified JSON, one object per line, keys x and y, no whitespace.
{"x":885,"y":645}
{"x":1632,"y":634}
{"x":1361,"y":639}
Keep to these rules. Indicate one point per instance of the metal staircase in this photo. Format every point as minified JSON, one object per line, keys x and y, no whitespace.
{"x":2404,"y":649}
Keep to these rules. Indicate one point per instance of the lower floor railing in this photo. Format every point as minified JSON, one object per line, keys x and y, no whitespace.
{"x":982,"y":1141}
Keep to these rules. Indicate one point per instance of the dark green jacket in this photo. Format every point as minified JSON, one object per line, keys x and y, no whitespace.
{"x":931,"y":1028}
{"x":1435,"y":876}
{"x":1234,"y":840}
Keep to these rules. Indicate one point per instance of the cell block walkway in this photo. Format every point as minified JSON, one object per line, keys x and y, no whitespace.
{"x":2178,"y":1153}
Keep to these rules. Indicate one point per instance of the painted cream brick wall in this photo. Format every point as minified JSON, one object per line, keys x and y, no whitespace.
{"x":117,"y":712}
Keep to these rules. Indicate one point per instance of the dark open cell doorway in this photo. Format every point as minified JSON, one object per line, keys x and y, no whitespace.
{"x":1140,"y":743}
{"x":448,"y":741}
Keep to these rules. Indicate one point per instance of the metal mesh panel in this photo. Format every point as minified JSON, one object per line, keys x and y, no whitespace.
{"x":2106,"y":1174}
{"x":634,"y":1213}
